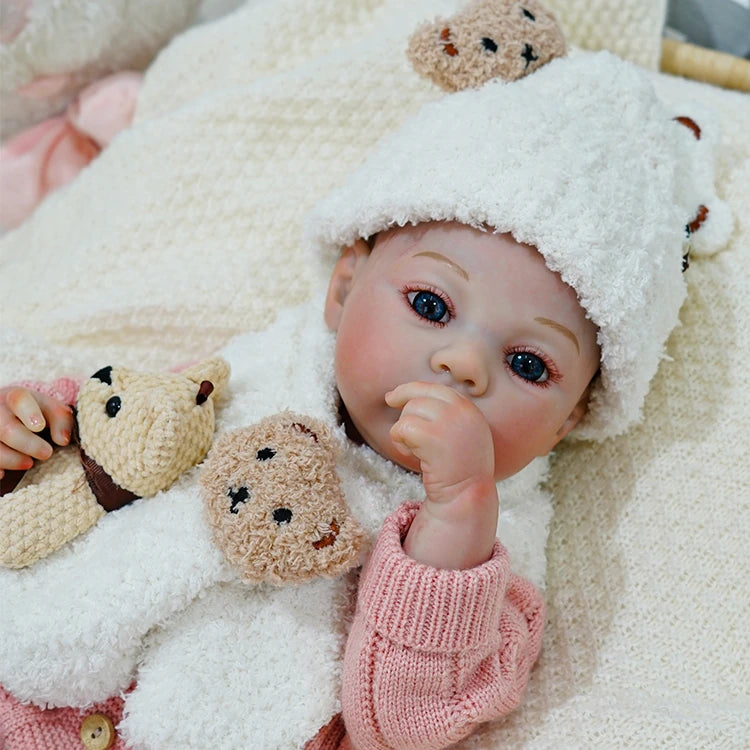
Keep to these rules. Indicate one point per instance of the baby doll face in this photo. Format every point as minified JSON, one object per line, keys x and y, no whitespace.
{"x":479,"y":312}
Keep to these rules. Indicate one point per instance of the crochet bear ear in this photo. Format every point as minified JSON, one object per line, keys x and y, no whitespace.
{"x":214,"y":371}
{"x":504,"y":39}
{"x":708,"y":220}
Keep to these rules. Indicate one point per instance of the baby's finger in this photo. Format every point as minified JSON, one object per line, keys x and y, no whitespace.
{"x":429,"y":409}
{"x":24,"y":405}
{"x":16,"y":436}
{"x":59,"y":418}
{"x":10,"y":459}
{"x":402,"y":394}
{"x":414,"y":433}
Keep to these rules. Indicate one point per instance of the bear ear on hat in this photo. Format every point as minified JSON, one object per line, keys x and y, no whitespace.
{"x":708,"y":222}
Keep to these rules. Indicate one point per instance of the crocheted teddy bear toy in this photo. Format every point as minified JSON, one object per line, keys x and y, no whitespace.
{"x":274,"y":502}
{"x":136,"y":433}
{"x":505,"y":39}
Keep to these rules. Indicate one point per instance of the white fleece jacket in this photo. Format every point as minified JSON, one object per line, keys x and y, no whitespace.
{"x":145,"y":595}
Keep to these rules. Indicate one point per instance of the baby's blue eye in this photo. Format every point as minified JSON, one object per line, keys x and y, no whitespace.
{"x":428,"y":305}
{"x":528,"y":366}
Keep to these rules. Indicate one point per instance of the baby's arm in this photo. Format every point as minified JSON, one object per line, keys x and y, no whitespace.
{"x":24,"y":412}
{"x":434,"y":653}
{"x":448,"y":434}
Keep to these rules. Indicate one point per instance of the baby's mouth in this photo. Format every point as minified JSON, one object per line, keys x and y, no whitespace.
{"x":328,"y":539}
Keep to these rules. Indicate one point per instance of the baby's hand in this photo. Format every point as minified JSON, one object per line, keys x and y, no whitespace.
{"x":449,"y":436}
{"x":22,"y":413}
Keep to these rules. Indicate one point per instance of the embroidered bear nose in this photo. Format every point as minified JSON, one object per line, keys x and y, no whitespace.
{"x":238,"y":497}
{"x":282,"y":516}
{"x":528,"y":54}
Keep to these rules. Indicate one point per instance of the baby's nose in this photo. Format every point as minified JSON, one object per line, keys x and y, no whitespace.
{"x":466,"y":364}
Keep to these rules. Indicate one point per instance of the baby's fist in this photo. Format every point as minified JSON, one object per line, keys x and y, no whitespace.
{"x":447,"y":433}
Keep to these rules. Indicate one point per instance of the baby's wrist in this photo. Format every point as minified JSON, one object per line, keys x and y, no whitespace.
{"x":459,"y":534}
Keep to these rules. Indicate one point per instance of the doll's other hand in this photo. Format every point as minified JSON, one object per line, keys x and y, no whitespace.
{"x":23,"y":413}
{"x":449,"y":436}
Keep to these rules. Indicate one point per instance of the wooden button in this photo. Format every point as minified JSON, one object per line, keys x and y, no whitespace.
{"x":97,"y":732}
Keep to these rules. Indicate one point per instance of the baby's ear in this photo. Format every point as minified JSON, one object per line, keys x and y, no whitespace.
{"x":350,"y":261}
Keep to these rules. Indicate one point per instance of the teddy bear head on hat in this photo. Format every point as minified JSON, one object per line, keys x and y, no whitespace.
{"x":136,"y":433}
{"x":504,"y":39}
{"x":275,"y":504}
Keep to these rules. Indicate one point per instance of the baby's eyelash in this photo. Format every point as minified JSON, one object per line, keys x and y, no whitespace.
{"x":553,"y":374}
{"x":408,"y":289}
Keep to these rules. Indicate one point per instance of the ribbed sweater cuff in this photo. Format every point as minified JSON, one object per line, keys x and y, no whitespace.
{"x":427,"y":608}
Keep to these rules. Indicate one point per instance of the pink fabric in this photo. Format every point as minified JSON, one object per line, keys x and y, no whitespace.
{"x":51,"y":154}
{"x":63,"y":389}
{"x":28,"y":727}
{"x":433,"y":653}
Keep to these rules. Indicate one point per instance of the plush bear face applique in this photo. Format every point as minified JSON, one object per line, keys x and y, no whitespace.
{"x":145,"y":429}
{"x":275,"y":504}
{"x":504,"y":39}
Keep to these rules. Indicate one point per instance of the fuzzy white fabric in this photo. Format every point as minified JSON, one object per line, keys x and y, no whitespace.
{"x":545,"y":158}
{"x":186,"y":231}
{"x":81,"y":40}
{"x":241,"y":645}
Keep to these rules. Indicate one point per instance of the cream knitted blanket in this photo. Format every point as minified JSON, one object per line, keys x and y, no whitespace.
{"x":185,"y":232}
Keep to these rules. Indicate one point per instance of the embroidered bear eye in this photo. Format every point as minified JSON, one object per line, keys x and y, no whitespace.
{"x":528,"y":14}
{"x":113,"y":406}
{"x":489,"y":44}
{"x":282,"y":516}
{"x":264,"y":454}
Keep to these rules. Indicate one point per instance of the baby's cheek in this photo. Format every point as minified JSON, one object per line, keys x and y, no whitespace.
{"x":517,"y":440}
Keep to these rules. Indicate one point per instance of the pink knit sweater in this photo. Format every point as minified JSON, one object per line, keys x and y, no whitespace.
{"x":431,"y":653}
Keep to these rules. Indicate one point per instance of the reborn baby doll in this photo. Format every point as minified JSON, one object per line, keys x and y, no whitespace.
{"x":507,"y":267}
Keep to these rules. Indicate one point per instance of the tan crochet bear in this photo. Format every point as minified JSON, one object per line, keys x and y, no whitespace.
{"x":274,"y":502}
{"x":137,"y":432}
{"x":505,"y":39}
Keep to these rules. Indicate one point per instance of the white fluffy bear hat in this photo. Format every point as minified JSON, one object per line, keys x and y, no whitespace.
{"x":579,"y":159}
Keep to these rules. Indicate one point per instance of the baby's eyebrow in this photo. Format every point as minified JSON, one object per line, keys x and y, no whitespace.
{"x":560,"y":327}
{"x":438,"y":256}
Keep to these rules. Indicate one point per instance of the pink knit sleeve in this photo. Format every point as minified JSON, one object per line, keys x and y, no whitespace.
{"x":63,"y":389}
{"x":434,"y":653}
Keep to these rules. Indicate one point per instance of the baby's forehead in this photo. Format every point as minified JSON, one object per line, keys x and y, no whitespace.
{"x":494,"y":255}
{"x":453,"y":236}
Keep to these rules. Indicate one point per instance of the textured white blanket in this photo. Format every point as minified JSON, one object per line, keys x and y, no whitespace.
{"x":186,"y":231}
